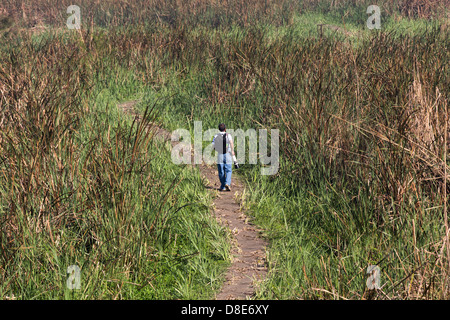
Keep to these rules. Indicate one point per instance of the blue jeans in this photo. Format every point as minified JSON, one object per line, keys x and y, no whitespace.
{"x":224,"y":166}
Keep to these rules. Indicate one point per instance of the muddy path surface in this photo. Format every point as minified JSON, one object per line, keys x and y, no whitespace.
{"x":248,"y":247}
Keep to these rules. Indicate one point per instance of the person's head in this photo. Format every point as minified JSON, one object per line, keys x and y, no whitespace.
{"x":222,"y":127}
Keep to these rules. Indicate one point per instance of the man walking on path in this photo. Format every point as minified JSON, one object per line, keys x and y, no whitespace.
{"x":223,"y":144}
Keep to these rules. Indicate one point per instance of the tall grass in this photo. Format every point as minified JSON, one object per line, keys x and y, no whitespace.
{"x":363,"y":137}
{"x":82,"y":184}
{"x":210,"y":14}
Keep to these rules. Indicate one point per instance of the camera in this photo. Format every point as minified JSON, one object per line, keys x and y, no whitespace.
{"x":236,"y":164}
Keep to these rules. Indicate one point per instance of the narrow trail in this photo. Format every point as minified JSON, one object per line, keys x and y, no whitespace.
{"x":248,"y":250}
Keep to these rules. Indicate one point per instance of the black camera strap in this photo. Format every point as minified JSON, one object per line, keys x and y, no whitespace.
{"x":224,"y":143}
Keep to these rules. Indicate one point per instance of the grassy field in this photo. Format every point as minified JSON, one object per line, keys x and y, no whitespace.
{"x":363,"y":123}
{"x":82,"y":184}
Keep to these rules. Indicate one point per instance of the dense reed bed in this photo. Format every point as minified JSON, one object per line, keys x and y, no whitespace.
{"x":364,"y":144}
{"x":211,"y":14}
{"x":82,"y":184}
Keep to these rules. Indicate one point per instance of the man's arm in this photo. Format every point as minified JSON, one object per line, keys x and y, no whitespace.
{"x":232,"y":146}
